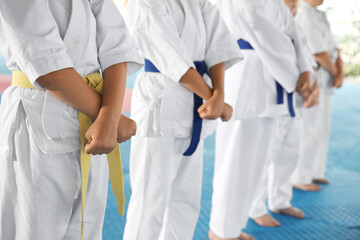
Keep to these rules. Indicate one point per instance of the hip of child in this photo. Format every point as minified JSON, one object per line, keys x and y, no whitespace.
{"x":51,"y":123}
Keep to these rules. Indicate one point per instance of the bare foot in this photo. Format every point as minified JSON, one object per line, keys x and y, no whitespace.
{"x":267,"y":221}
{"x":246,"y":236}
{"x":308,"y":187}
{"x":292,"y":212}
{"x":321,"y":181}
{"x":213,"y":236}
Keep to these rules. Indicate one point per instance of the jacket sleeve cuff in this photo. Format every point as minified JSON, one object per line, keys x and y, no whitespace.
{"x":224,"y":54}
{"x":133,"y":60}
{"x":180,"y":72}
{"x":45,"y":65}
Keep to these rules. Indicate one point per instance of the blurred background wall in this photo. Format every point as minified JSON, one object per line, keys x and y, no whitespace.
{"x":344,"y":17}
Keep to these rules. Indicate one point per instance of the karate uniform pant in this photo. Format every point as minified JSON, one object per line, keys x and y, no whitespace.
{"x":241,"y":152}
{"x":40,"y":194}
{"x":314,"y":141}
{"x":276,"y":183}
{"x":166,"y":189}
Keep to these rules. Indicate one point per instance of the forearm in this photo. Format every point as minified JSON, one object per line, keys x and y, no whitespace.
{"x":195,"y":83}
{"x":68,"y":86}
{"x":217,"y":79}
{"x":324,"y":59}
{"x":340,"y":64}
{"x":114,"y":90}
{"x":339,"y":77}
{"x":214,"y":107}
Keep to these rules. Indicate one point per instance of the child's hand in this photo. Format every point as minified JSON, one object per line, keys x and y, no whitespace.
{"x":212,"y":108}
{"x":126,"y":129}
{"x":303,"y":86}
{"x":101,"y":136}
{"x":312,"y":98}
{"x":226,"y":113}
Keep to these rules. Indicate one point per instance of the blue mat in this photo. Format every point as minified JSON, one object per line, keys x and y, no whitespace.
{"x":331,"y":214}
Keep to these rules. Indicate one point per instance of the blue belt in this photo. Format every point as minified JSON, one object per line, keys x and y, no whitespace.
{"x":279,"y":89}
{"x":197,"y":121}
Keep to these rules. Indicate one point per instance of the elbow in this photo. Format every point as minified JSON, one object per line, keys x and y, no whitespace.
{"x":51,"y":80}
{"x":320,"y":56}
{"x":188,"y":76}
{"x":45,"y":82}
{"x":218,"y":67}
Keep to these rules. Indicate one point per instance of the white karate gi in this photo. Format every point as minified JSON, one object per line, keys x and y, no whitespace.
{"x":40,"y":182}
{"x":313,"y":154}
{"x":166,"y":186}
{"x":276,"y":181}
{"x":243,"y":144}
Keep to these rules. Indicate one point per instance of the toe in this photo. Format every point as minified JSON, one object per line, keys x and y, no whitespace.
{"x":298,"y":213}
{"x":321,"y":181}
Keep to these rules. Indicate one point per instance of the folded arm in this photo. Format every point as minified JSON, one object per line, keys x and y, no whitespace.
{"x":339,"y":78}
{"x":68,"y":86}
{"x":324,"y":59}
{"x":109,"y":118}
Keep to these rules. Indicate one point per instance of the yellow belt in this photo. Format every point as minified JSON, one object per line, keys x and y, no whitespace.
{"x":95,"y":81}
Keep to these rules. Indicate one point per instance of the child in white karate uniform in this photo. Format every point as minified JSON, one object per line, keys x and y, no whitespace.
{"x":181,"y":41}
{"x":323,"y":46}
{"x":44,"y":158}
{"x":276,"y":182}
{"x":261,"y":90}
